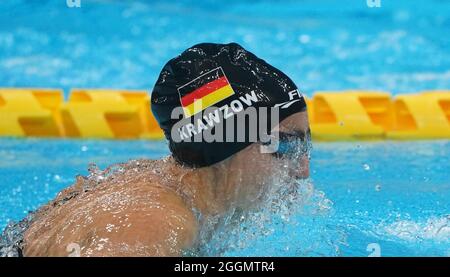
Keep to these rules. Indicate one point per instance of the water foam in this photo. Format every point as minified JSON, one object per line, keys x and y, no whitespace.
{"x":435,"y":229}
{"x":279,"y":225}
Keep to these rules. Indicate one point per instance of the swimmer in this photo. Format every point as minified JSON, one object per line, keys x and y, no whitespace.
{"x":159,"y":207}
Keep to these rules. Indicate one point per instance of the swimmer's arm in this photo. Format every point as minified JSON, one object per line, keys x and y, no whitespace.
{"x":164,"y":235}
{"x":154,"y":234}
{"x":165,"y":230}
{"x":156,"y":223}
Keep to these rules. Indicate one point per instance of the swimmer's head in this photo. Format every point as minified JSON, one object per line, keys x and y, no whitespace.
{"x":215,"y":100}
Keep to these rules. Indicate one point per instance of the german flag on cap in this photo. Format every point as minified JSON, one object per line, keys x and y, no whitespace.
{"x":204,"y":91}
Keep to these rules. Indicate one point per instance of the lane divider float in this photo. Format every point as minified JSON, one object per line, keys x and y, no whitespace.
{"x":126,"y":114}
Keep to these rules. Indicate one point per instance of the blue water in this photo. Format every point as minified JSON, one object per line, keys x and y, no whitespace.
{"x":394,"y":195}
{"x":401,"y":47}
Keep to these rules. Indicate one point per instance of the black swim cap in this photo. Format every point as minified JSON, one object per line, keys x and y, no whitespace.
{"x":226,"y":77}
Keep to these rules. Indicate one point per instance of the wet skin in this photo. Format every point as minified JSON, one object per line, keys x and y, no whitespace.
{"x":146,"y":209}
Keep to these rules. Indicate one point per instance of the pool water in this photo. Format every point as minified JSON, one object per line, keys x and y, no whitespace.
{"x":369,"y":198}
{"x":393,"y":194}
{"x":322,"y":45}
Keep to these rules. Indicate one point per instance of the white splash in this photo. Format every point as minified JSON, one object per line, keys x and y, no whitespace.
{"x":434,"y":228}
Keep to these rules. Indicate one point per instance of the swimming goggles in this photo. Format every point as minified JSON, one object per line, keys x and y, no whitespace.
{"x":291,"y":145}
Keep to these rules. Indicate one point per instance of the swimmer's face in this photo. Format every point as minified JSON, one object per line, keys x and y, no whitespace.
{"x":296,"y":127}
{"x":259,"y":166}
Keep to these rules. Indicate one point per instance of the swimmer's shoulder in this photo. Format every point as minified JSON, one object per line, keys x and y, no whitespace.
{"x":150,"y":219}
{"x":134,"y":212}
